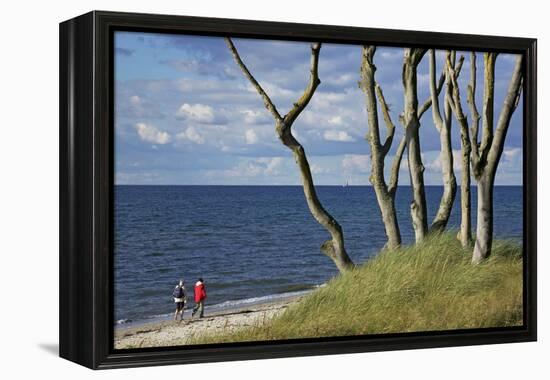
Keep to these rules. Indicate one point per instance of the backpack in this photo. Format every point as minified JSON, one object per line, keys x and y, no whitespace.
{"x":178,"y":292}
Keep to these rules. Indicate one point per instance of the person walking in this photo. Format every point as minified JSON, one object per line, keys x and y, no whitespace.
{"x":200,"y":296}
{"x":180,"y":299}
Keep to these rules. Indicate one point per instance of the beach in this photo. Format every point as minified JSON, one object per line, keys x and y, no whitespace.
{"x":174,"y":333}
{"x":231,"y":236}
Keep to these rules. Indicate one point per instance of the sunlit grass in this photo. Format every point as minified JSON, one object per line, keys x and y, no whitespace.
{"x":428,"y":286}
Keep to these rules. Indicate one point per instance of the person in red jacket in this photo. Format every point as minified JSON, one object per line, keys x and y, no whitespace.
{"x":200,"y":296}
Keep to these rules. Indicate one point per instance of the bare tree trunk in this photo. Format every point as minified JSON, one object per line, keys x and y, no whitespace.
{"x":333,"y":248}
{"x":486,"y":156}
{"x":410,"y":120}
{"x":453,"y":101}
{"x":484,"y":233}
{"x":443,"y":125}
{"x":466,"y":149}
{"x":491,"y":147}
{"x":465,"y":233}
{"x":384,"y":195}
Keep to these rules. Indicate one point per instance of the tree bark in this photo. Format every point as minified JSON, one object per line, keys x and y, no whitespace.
{"x":466,"y":149}
{"x":484,"y":157}
{"x":443,"y":125}
{"x":484,"y":233}
{"x":412,"y":58}
{"x":333,"y":248}
{"x":491,"y":151}
{"x":384,"y":195}
{"x":465,"y":233}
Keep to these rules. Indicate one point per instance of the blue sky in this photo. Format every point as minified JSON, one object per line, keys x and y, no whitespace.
{"x":185,"y":114}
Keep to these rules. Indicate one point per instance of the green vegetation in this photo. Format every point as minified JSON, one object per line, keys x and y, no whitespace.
{"x":428,"y":286}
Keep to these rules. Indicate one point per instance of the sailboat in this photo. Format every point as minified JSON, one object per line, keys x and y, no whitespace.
{"x":347,"y":184}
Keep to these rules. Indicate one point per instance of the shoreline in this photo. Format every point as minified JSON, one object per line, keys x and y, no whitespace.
{"x":217,"y":308}
{"x":173,"y":333}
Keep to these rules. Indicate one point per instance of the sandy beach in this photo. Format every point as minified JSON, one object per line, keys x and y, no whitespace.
{"x":173,"y":333}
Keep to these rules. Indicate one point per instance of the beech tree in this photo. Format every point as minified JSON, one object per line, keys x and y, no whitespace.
{"x":385,"y":192}
{"x":333,"y":248}
{"x":485,"y":155}
{"x":443,"y":125}
{"x":465,"y":233}
{"x":411,"y":121}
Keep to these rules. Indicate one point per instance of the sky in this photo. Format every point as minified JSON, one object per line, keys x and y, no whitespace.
{"x":185,"y":113}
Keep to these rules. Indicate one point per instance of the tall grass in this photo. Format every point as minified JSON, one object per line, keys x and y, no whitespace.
{"x":428,"y":286}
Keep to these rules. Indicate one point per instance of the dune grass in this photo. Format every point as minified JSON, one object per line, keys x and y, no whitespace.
{"x":429,"y":286}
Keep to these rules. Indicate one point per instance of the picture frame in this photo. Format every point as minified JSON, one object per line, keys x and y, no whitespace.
{"x":87,"y":184}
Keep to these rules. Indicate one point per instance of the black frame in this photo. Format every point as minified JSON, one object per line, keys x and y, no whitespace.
{"x":86,"y":189}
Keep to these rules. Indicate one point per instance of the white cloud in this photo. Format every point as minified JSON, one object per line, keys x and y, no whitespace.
{"x":276,"y":91}
{"x":272,"y":165}
{"x":192,"y":135}
{"x":255,"y":117}
{"x":317,"y":169}
{"x":512,"y":154}
{"x":356,"y":163}
{"x":511,"y":162}
{"x":197,"y":112}
{"x":336,"y":120}
{"x":333,"y":135}
{"x":152,"y":134}
{"x":251,"y":136}
{"x":435,"y":164}
{"x":341,"y":80}
{"x":327,"y":99}
{"x":251,"y":168}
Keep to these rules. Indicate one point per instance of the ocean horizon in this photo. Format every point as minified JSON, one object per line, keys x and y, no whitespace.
{"x":254,"y":243}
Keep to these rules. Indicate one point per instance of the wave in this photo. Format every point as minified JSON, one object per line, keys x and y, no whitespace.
{"x":224,"y":306}
{"x":233,"y":304}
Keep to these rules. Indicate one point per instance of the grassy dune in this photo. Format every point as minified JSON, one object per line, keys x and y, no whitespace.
{"x":429,"y":286}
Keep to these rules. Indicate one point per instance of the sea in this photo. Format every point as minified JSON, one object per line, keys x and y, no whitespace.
{"x":253,"y":244}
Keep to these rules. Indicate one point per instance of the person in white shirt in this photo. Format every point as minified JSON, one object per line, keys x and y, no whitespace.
{"x":180,"y":299}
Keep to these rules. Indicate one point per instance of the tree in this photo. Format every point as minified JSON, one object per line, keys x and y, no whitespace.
{"x":385,"y":193}
{"x":443,"y":125}
{"x":333,"y":248}
{"x":485,"y":156}
{"x":411,"y":122}
{"x":465,"y":233}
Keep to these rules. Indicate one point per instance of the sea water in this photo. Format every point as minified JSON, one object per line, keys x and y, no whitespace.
{"x":253,"y":244}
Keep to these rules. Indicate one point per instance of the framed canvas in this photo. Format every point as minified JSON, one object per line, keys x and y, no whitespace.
{"x":235,"y":189}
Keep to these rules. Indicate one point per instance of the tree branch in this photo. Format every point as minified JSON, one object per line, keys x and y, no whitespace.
{"x":267,"y":101}
{"x":488,"y":105}
{"x":387,"y":119}
{"x":510,"y":104}
{"x":450,"y":86}
{"x":474,"y":113}
{"x":426,"y":105}
{"x":333,"y":248}
{"x":454,"y":101}
{"x":368,"y":84}
{"x":436,"y":112}
{"x":394,"y":177}
{"x":416,"y":55}
{"x":314,"y":81}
